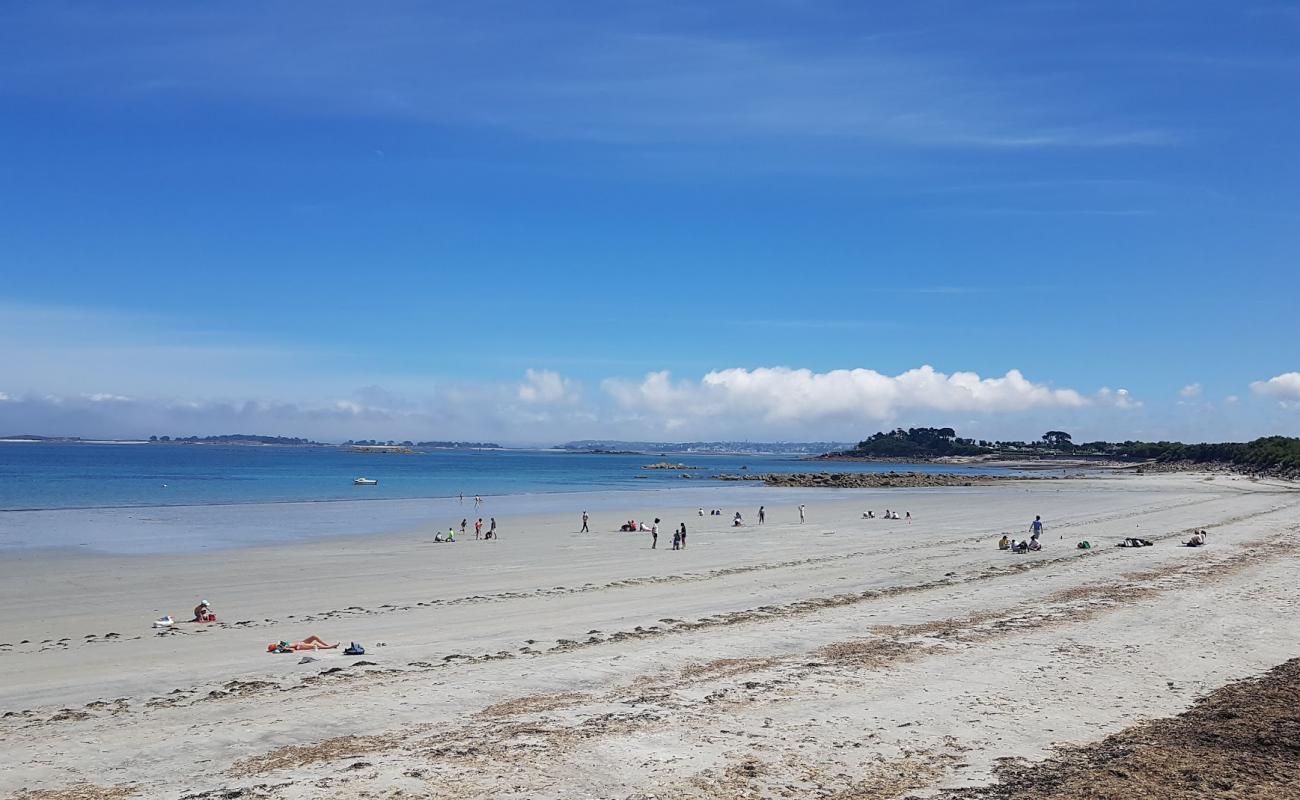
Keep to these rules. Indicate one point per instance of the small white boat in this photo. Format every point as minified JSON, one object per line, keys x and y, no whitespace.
{"x":365,"y":482}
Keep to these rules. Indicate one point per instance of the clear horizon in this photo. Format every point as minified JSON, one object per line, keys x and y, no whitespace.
{"x":561,"y":221}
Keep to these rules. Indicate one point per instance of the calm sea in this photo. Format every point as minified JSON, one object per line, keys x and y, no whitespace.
{"x":66,"y":475}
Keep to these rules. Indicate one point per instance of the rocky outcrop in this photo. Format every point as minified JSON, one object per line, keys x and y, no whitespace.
{"x":666,"y":465}
{"x":869,"y":480}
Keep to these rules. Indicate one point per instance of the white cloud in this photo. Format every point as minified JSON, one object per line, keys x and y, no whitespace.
{"x":1285,"y":388}
{"x":1190,"y":391}
{"x":544,"y":387}
{"x":777,"y":395}
{"x":1117,"y":398}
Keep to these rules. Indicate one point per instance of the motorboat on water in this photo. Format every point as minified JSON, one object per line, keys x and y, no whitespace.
{"x":365,"y":482}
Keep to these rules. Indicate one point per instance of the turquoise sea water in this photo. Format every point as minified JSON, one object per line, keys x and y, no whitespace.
{"x":142,"y":499}
{"x":59,"y":475}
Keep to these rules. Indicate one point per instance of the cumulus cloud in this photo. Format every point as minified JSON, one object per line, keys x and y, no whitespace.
{"x":548,"y":407}
{"x":781,"y":394}
{"x":1117,"y":398}
{"x":1191,"y":391}
{"x":544,"y":387}
{"x":1285,"y":388}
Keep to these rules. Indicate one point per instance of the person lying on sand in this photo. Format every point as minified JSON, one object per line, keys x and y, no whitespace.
{"x":868,"y":515}
{"x":1133,"y":542}
{"x":310,"y":643}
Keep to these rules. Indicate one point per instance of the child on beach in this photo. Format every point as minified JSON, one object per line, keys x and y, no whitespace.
{"x":677,"y":539}
{"x":1004,"y":543}
{"x":203,"y":612}
{"x":478,"y":528}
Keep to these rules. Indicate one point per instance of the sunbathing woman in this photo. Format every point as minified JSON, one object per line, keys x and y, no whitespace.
{"x":310,"y":643}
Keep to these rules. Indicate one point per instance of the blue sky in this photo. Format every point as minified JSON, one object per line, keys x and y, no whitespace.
{"x":509,"y":220}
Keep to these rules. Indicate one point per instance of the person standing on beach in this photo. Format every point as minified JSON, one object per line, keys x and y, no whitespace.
{"x":801,"y":512}
{"x":461,"y":498}
{"x":654,"y":534}
{"x":584,"y":523}
{"x":492,"y":527}
{"x":478,"y":501}
{"x":683,"y":535}
{"x":478,"y":528}
{"x":1036,"y":527}
{"x":761,"y":515}
{"x":463,"y":523}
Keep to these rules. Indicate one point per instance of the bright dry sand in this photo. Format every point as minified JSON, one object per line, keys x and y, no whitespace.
{"x":838,"y":658}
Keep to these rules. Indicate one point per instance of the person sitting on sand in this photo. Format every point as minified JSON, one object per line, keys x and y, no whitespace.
{"x":203,"y":612}
{"x":1197,"y":540}
{"x":868,"y":515}
{"x":310,"y":643}
{"x":437,"y":537}
{"x":736,"y":521}
{"x":1004,"y":543}
{"x":1020,"y":547}
{"x":451,"y":535}
{"x":1034,"y":544}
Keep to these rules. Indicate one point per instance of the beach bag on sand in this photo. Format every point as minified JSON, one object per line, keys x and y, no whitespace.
{"x":354,"y":649}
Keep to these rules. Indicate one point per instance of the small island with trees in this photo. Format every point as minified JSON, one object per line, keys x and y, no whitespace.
{"x":1277,"y":456}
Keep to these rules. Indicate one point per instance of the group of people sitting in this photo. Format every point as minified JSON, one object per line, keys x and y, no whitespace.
{"x":869,"y":514}
{"x":450,"y":535}
{"x":713,"y":512}
{"x":1198,"y":539}
{"x":1022,"y":546}
{"x":631,"y":527}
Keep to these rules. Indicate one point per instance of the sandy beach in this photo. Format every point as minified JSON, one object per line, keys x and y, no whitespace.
{"x":840,"y":657}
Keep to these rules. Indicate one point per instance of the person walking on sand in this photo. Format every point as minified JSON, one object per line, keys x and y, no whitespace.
{"x":1036,"y":527}
{"x":463,"y":523}
{"x":478,"y":528}
{"x":761,"y":515}
{"x":461,"y":497}
{"x":801,"y":512}
{"x":478,"y":501}
{"x":584,"y":523}
{"x":654,"y":534}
